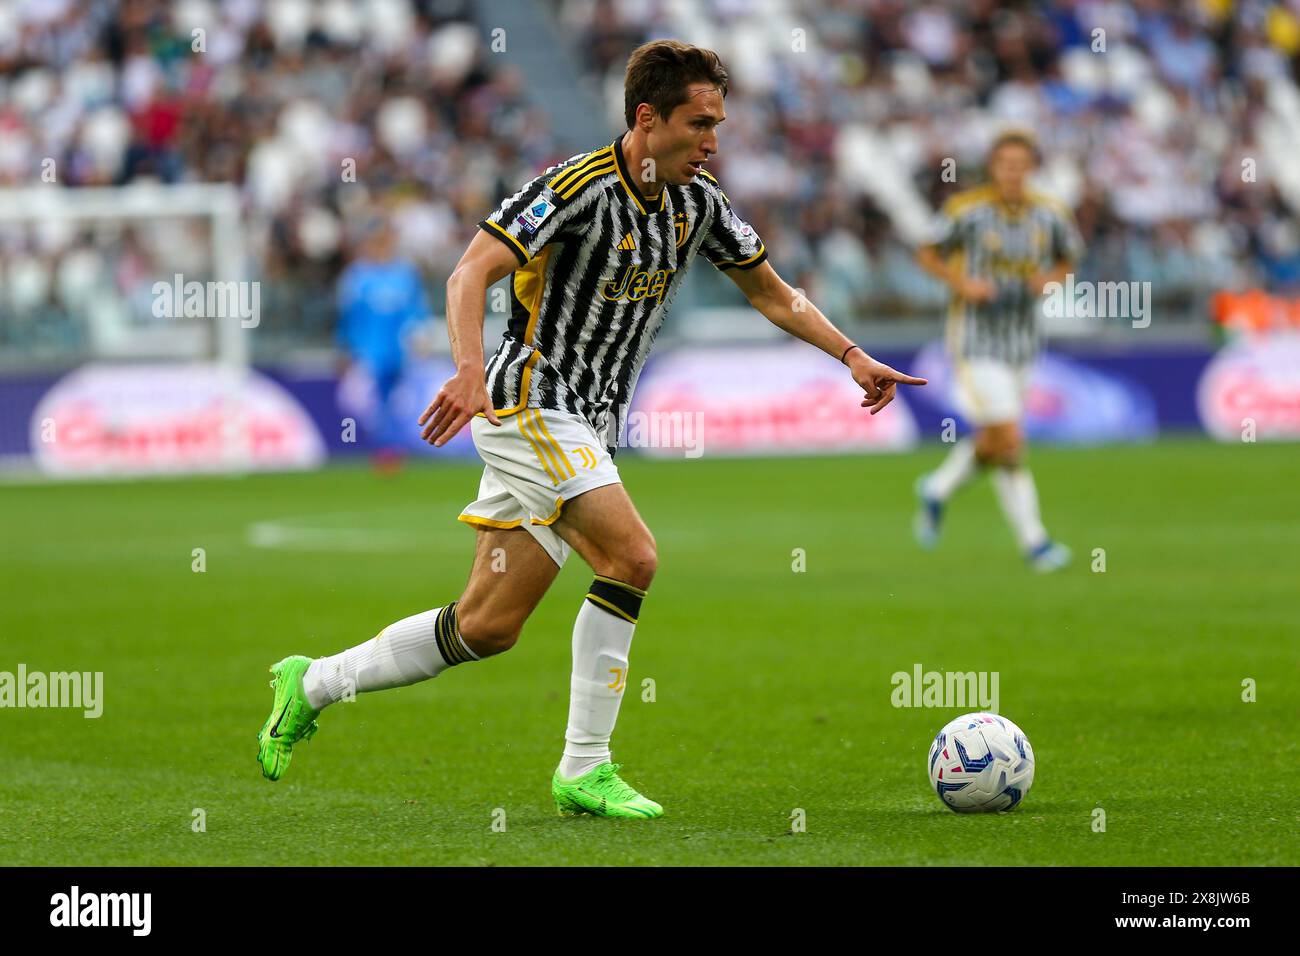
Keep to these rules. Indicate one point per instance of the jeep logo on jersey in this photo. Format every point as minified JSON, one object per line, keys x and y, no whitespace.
{"x":535,"y":215}
{"x":636,"y":284}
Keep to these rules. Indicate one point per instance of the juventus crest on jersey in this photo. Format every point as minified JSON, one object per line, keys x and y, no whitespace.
{"x":599,"y":264}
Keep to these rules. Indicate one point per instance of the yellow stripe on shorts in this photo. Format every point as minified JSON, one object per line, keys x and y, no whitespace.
{"x":525,"y":429}
{"x":555,"y":444}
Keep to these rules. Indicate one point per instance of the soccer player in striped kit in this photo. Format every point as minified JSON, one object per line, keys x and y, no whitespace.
{"x":996,"y":247}
{"x":596,"y":247}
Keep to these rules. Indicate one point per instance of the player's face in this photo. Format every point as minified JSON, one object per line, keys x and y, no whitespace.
{"x":1009,"y":168}
{"x":681,"y":144}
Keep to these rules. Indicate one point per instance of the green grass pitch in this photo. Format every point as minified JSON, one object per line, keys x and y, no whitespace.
{"x":771,"y":686}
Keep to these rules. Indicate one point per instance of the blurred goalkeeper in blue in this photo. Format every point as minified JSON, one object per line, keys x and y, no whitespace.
{"x":380,"y":296}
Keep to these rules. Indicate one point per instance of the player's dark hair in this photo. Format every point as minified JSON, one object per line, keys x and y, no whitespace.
{"x":659,"y":72}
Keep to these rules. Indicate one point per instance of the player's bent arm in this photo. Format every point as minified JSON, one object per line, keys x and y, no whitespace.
{"x":951,"y":275}
{"x":1055,"y":274}
{"x":932,"y":262}
{"x":486,"y":261}
{"x":464,"y":394}
{"x":790,"y":310}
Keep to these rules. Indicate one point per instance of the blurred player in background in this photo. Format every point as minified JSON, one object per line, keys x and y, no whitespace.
{"x":597,"y":247}
{"x":996,"y":247}
{"x":380,"y":295}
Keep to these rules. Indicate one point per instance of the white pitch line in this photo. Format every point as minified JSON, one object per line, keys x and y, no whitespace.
{"x":285,"y":537}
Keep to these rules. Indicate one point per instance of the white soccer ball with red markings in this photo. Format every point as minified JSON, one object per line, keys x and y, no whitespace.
{"x":981,"y":763}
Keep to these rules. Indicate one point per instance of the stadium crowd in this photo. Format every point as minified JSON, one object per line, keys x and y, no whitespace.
{"x":1168,"y":131}
{"x":1145,"y":112}
{"x":329,"y":117}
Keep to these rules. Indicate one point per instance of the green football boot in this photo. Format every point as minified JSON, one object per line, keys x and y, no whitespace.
{"x":292,"y":718}
{"x":602,"y":793}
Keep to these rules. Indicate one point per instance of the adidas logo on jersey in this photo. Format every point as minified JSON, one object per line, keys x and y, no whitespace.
{"x":628,"y":243}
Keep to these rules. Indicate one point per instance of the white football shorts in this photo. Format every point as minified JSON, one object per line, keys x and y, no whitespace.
{"x":535,"y":461}
{"x":990,"y":391}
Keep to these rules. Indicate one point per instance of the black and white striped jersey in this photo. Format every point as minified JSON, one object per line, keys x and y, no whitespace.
{"x":599,"y":265}
{"x":1006,"y":246}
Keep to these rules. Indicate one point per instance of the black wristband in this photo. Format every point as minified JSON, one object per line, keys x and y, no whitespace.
{"x":850,"y":349}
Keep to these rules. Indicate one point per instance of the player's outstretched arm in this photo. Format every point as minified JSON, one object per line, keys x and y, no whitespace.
{"x":790,"y":309}
{"x":464,"y":394}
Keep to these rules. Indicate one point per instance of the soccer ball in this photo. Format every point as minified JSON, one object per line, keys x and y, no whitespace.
{"x":981,"y":763}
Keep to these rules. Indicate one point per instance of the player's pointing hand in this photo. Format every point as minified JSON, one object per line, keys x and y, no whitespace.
{"x":878,"y":380}
{"x":461,"y":397}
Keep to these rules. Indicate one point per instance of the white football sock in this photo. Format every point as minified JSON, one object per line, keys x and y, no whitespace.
{"x":953,"y":472}
{"x":1019,"y":500}
{"x":414,"y":649}
{"x":602,"y":637}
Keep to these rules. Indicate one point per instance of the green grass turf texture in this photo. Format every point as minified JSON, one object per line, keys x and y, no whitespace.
{"x":772,"y":687}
